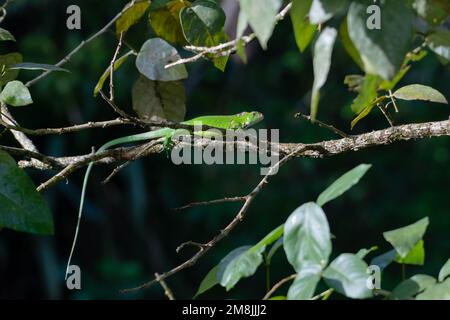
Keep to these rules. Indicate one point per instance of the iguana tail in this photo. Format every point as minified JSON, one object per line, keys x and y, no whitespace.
{"x":133,"y":138}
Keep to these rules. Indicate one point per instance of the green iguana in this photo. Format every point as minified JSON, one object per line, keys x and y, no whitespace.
{"x":233,"y":122}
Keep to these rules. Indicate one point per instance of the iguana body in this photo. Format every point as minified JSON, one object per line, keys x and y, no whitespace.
{"x":233,"y":122}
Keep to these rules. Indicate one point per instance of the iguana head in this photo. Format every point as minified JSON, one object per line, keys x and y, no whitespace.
{"x":248,"y":119}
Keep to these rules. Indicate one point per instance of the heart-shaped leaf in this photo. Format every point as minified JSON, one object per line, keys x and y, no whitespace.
{"x":154,"y":55}
{"x":16,"y":94}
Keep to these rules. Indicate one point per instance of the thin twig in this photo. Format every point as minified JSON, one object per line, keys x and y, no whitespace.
{"x":323,"y":125}
{"x":111,"y":68}
{"x":237,"y":219}
{"x":323,"y":295}
{"x":211,"y":202}
{"x":386,"y":115}
{"x":82,"y":44}
{"x":71,"y":129}
{"x":167,"y":291}
{"x":278,"y":285}
{"x":116,"y":170}
{"x":223,"y":49}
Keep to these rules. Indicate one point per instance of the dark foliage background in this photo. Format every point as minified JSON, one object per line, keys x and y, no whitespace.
{"x":130,"y":230}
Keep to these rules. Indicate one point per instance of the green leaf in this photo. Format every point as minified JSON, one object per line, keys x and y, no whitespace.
{"x":22,"y":208}
{"x":354,"y":82}
{"x":344,"y":183}
{"x":304,"y":285}
{"x":246,"y":263}
{"x":404,"y":239}
{"x":154,"y":55}
{"x":107,"y":72}
{"x":439,"y":42}
{"x":347,"y":274}
{"x":362,"y":253}
{"x":156,"y":100}
{"x":16,"y":94}
{"x":349,"y":46}
{"x":202,"y":20}
{"x":202,"y":25}
{"x":384,"y":259}
{"x":367,"y":94}
{"x":323,"y":10}
{"x":277,"y":245}
{"x":278,"y":298}
{"x":6,"y":61}
{"x":208,"y":282}
{"x":363,"y":114}
{"x":434,"y":11}
{"x":131,"y":16}
{"x":165,"y":21}
{"x":420,"y":92}
{"x":37,"y":66}
{"x":261,"y":15}
{"x":273,"y":236}
{"x":407,"y":289}
{"x":243,"y":266}
{"x":415,"y":257}
{"x":323,"y":51}
{"x":5,"y":35}
{"x":440,"y":291}
{"x":445,"y":271}
{"x":307,"y":240}
{"x":390,"y":84}
{"x":382,"y":50}
{"x":303,"y":30}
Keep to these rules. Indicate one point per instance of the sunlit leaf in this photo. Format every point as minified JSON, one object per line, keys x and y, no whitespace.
{"x":16,"y":94}
{"x":445,"y":271}
{"x":382,"y":50}
{"x":154,"y":55}
{"x":405,"y":239}
{"x":407,"y":289}
{"x":349,"y":46}
{"x":367,"y":93}
{"x":323,"y":10}
{"x":307,"y":239}
{"x":344,"y":183}
{"x":131,"y":16}
{"x":439,"y":291}
{"x":303,"y":30}
{"x":107,"y":72}
{"x":347,"y":274}
{"x":165,"y":21}
{"x":210,"y":280}
{"x":420,"y":92}
{"x":323,"y":51}
{"x":5,"y":35}
{"x":415,"y":257}
{"x":7,"y":61}
{"x":304,"y":285}
{"x":261,"y":15}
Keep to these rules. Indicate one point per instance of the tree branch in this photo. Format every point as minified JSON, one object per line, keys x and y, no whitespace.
{"x":387,"y":136}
